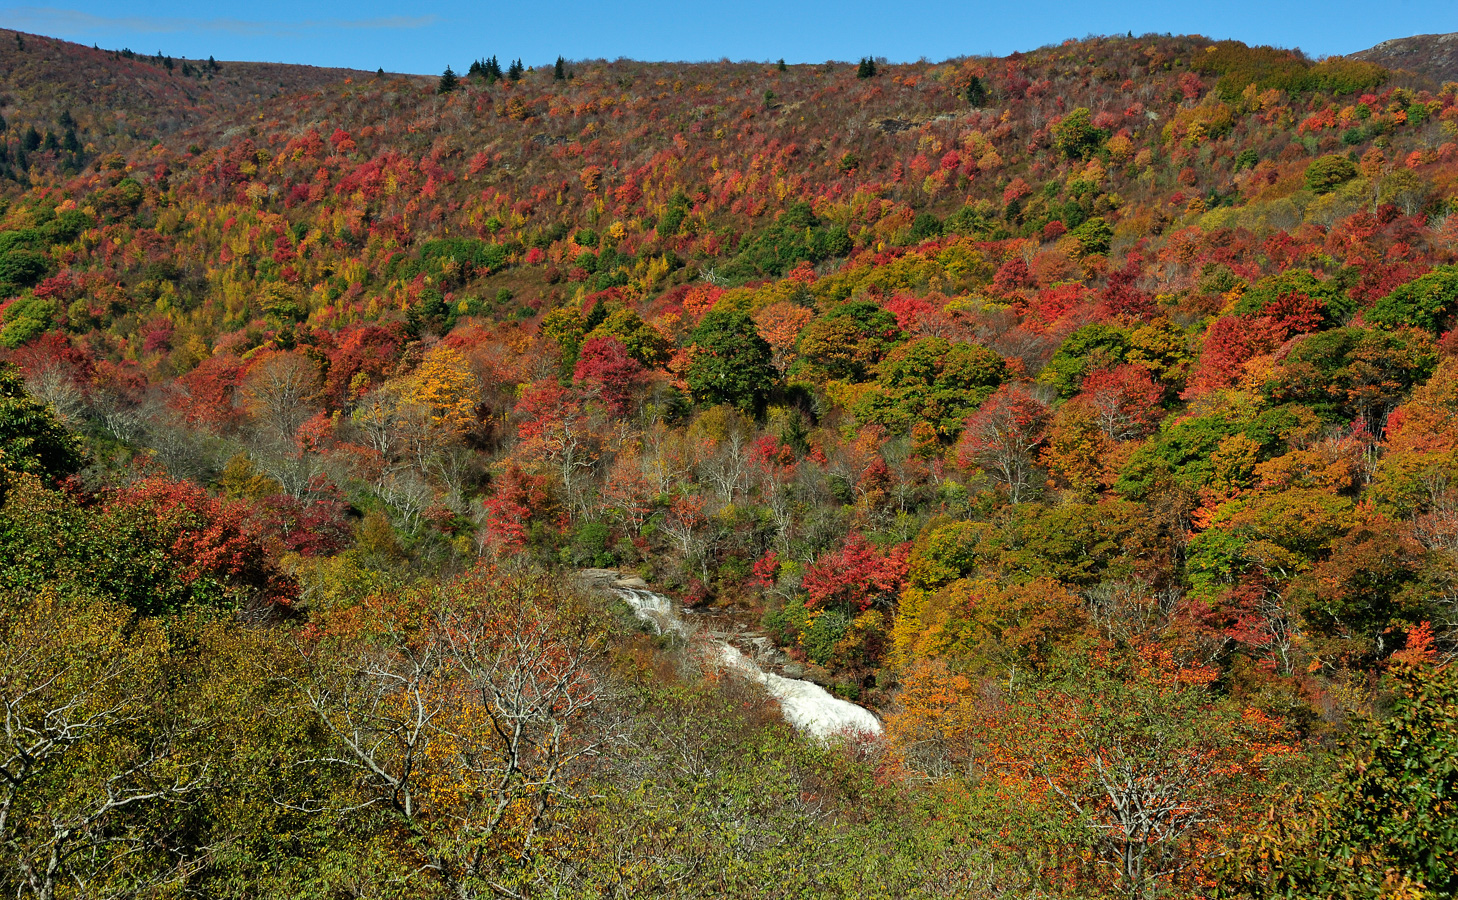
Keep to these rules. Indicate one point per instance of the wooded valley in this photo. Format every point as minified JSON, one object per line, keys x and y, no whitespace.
{"x":1089,"y":415}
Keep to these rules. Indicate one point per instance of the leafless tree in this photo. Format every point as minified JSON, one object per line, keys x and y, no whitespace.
{"x":471,"y":725}
{"x":279,"y":392}
{"x":728,"y":469}
{"x":54,"y":383}
{"x":1143,"y":813}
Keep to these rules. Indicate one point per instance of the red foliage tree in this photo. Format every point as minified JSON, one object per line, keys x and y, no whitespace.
{"x":605,"y":369}
{"x":361,"y":357}
{"x":1125,"y":400}
{"x":307,"y":527}
{"x":213,"y":547}
{"x":1012,"y":275}
{"x":205,"y":395}
{"x":1121,"y":298}
{"x":1230,"y":343}
{"x":856,"y":576}
{"x":1003,"y":436}
{"x":517,"y":497}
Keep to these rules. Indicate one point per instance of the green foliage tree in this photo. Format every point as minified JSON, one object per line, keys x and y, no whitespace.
{"x":931,"y":380}
{"x":975,"y":93}
{"x":32,"y":439}
{"x":1075,"y":136}
{"x":27,"y":319}
{"x":847,"y":342}
{"x":731,"y":362}
{"x":1429,"y":302}
{"x":1297,"y":293}
{"x":797,"y":236}
{"x":159,"y":547}
{"x":1095,"y":346}
{"x":1184,"y":450}
{"x":22,"y":267}
{"x":1325,"y":174}
{"x":1347,"y":373}
{"x":924,"y":226}
{"x":1386,"y":825}
{"x":1093,"y":236}
{"x":642,"y":341}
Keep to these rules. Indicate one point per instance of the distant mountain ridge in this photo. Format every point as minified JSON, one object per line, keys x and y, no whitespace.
{"x":1432,"y":55}
{"x":114,"y":95}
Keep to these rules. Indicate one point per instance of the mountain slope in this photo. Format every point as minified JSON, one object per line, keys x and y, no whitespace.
{"x":1098,"y":403}
{"x":114,"y":95}
{"x":1432,"y":55}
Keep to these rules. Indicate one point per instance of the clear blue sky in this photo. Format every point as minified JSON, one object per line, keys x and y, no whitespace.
{"x":423,"y":38}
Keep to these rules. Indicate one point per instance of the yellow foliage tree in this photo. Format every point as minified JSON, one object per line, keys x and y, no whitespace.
{"x":446,"y":389}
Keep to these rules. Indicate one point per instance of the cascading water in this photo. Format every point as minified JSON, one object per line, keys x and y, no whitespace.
{"x":806,"y":705}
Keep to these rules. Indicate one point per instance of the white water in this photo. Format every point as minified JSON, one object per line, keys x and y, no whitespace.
{"x":805,"y":705}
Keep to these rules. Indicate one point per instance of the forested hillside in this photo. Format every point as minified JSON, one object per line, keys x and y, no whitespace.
{"x":1088,"y":414}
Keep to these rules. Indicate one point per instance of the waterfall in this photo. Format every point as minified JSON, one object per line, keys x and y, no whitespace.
{"x":805,"y":705}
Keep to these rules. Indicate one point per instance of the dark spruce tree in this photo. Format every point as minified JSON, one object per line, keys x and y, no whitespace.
{"x":867,"y":68}
{"x":559,"y":71}
{"x":976,"y":93}
{"x":448,"y":81}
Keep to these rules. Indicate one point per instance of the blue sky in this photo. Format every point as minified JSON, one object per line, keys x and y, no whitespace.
{"x":423,"y":38}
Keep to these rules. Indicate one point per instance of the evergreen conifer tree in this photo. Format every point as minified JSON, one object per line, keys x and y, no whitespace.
{"x":976,"y":92}
{"x":448,"y":81}
{"x":559,"y":71}
{"x":867,"y":68}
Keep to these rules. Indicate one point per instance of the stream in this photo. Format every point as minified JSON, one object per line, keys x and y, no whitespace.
{"x":804,"y":704}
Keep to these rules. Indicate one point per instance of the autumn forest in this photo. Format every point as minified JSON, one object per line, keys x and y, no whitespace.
{"x":1088,"y":416}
